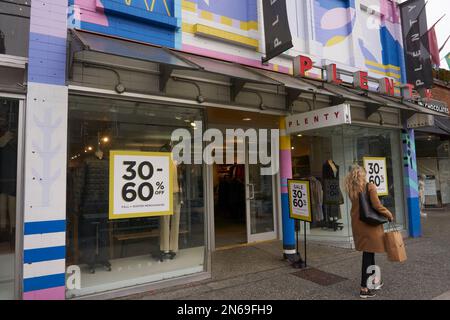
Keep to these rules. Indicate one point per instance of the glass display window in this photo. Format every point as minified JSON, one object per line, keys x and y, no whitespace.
{"x":9,"y":138}
{"x":325,"y":156}
{"x":116,"y":253}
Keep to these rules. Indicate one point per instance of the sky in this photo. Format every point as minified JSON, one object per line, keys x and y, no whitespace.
{"x":435,"y":10}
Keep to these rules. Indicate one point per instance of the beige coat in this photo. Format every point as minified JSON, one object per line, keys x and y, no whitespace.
{"x":369,"y":238}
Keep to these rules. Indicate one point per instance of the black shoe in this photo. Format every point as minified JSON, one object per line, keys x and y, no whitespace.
{"x":172,"y":255}
{"x":367,"y":294}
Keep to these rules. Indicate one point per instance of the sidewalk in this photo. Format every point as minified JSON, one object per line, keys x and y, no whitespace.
{"x":257,"y":272}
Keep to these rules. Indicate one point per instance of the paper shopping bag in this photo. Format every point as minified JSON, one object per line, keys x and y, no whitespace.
{"x":395,"y":247}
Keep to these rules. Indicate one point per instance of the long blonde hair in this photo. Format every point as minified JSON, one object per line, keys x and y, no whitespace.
{"x":355,"y":181}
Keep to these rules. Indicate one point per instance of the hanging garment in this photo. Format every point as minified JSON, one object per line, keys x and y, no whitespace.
{"x":316,"y":199}
{"x":333,"y":197}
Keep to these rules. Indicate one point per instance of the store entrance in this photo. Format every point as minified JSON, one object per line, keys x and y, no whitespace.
{"x":229,"y":205}
{"x":244,"y":197}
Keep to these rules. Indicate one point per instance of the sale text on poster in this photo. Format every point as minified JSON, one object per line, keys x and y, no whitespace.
{"x":376,"y":169}
{"x":300,"y":200}
{"x":140,"y":184}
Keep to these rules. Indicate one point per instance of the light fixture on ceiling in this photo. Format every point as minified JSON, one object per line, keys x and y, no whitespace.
{"x":105,"y":139}
{"x":247,"y":119}
{"x":299,"y":135}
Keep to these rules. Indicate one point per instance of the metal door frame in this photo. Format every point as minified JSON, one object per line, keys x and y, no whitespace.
{"x":249,"y":195}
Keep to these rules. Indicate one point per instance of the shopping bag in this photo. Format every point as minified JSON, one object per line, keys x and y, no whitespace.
{"x":395,"y":247}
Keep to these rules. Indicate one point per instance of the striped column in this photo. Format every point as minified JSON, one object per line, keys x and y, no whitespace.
{"x":46,"y":153}
{"x":411,"y":184}
{"x":285,"y":174}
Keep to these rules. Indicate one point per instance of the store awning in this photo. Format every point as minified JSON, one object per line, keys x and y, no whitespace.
{"x":294,"y":87}
{"x":239,"y":75}
{"x":170,"y":60}
{"x":129,"y":49}
{"x":87,"y":41}
{"x":443,"y":124}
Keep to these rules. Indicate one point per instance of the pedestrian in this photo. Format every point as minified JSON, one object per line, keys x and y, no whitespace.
{"x":368,"y":239}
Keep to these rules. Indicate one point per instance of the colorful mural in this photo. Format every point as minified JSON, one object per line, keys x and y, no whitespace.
{"x":380,"y":40}
{"x":333,"y":21}
{"x":153,"y":21}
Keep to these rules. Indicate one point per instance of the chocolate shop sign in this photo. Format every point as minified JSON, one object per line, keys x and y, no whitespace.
{"x":318,"y":119}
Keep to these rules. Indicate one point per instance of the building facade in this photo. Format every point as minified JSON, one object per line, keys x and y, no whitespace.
{"x":433,"y":145}
{"x":109,"y":77}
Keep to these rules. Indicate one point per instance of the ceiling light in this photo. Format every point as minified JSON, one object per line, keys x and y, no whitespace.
{"x":187,"y":121}
{"x":193,"y":124}
{"x":178,"y":118}
{"x":105,"y":139}
{"x":247,"y":119}
{"x":90,"y":148}
{"x":299,"y":135}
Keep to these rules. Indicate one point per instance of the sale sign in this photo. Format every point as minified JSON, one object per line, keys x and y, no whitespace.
{"x":376,"y":169}
{"x":140,"y":184}
{"x":300,"y":200}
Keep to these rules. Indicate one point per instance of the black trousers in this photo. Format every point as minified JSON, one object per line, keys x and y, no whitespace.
{"x":367,"y":261}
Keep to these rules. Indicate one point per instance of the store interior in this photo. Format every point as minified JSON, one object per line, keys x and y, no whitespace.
{"x":230,"y":205}
{"x":230,"y":194}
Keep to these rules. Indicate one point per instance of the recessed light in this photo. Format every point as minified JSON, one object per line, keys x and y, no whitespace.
{"x":299,"y":135}
{"x":247,"y":119}
{"x":178,"y":118}
{"x":193,"y":124}
{"x":187,"y":121}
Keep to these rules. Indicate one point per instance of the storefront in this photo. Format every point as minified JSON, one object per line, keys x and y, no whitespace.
{"x":132,"y":103}
{"x":126,"y":99}
{"x":433,"y":161}
{"x":115,"y":105}
{"x":14,"y":32}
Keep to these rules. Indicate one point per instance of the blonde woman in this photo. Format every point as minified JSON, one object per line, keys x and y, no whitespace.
{"x":368,"y":239}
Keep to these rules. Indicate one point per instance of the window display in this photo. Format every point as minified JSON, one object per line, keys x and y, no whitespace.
{"x":117,"y":252}
{"x":324,"y":156}
{"x":8,"y":185}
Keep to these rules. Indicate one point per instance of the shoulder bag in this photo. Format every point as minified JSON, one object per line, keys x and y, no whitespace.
{"x":367,"y":213}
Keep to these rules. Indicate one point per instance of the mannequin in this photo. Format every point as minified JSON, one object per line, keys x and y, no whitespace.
{"x":333,"y":167}
{"x":94,"y":211}
{"x":422,"y":179}
{"x":170,"y":225}
{"x":332,"y":201}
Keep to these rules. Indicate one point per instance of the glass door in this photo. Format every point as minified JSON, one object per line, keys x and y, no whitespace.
{"x":9,"y":143}
{"x":260,"y":195}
